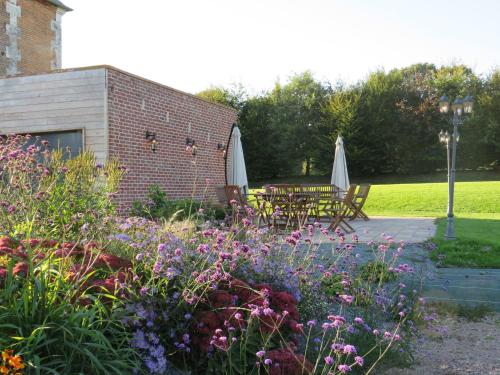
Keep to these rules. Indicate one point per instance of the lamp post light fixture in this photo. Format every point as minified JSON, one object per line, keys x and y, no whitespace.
{"x":459,"y":108}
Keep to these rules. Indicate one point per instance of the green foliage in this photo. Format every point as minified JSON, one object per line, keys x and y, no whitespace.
{"x":47,"y":195}
{"x":376,"y":272}
{"x":233,"y":97}
{"x":332,"y":285}
{"x":40,"y":320}
{"x":389,"y":122}
{"x":158,"y":206}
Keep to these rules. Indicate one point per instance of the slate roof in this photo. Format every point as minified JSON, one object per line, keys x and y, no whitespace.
{"x":58,"y":4}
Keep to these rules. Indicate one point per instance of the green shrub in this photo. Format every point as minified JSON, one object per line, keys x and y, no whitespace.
{"x":158,"y":206}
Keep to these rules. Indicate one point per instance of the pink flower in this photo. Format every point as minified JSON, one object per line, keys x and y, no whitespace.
{"x":359,"y":360}
{"x":260,"y":353}
{"x":358,"y":320}
{"x":344,"y":369}
{"x":346,"y":298}
{"x":349,"y":349}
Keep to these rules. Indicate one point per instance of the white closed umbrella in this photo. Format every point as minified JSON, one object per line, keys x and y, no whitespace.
{"x":237,"y":173}
{"x":340,"y":177}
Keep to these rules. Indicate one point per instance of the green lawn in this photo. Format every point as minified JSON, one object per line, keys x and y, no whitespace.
{"x":477,"y":244}
{"x":430,"y":199}
{"x":477,"y":210}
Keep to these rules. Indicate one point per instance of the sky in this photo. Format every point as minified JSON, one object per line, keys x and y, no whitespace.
{"x":194,"y":44}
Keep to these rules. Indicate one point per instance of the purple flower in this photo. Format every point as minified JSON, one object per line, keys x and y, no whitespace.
{"x":122,"y":237}
{"x":139,"y":340}
{"x":203,"y":248}
{"x":346,"y":298}
{"x":359,"y":360}
{"x":157,"y":267}
{"x":267,"y":311}
{"x":326,"y":326}
{"x":349,"y":349}
{"x":329,"y":360}
{"x":359,"y":321}
{"x":268,"y":361}
{"x":344,"y":369}
{"x":337,"y":347}
{"x":260,"y":353}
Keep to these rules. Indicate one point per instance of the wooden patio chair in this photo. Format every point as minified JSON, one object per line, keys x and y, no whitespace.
{"x":301,"y":206}
{"x":340,"y":210}
{"x":359,"y":201}
{"x":220,"y":192}
{"x":289,"y":210}
{"x":234,"y":194}
{"x":326,"y":196}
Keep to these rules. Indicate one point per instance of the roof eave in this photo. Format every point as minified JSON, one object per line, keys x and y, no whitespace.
{"x":60,"y":5}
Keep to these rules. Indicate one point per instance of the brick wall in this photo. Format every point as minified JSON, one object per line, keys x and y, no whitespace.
{"x":135,"y":106}
{"x":35,"y":44}
{"x":37,"y":35}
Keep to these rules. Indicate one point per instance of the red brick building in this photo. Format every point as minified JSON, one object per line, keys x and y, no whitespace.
{"x":111,"y":112}
{"x":137,"y":106}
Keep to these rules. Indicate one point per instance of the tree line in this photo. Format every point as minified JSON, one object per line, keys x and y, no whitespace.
{"x":390,"y":122}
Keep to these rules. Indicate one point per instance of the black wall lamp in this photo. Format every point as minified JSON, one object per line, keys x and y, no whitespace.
{"x":191,"y":145}
{"x":221,"y":147}
{"x":151,"y":138}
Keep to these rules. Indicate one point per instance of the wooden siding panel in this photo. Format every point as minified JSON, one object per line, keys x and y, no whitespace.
{"x":57,"y":102}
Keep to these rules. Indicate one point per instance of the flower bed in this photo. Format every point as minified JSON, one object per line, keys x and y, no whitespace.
{"x":127,"y":295}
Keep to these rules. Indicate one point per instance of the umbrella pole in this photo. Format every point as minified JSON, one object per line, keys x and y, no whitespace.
{"x":227,"y":151}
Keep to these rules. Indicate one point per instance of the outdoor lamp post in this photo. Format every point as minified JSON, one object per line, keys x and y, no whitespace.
{"x":459,"y":107}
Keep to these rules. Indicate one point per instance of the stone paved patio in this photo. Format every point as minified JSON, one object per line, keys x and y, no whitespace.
{"x":411,"y":230}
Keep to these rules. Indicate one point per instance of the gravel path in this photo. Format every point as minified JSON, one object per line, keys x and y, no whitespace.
{"x":457,"y":347}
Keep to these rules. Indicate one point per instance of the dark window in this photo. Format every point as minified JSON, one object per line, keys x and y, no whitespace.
{"x":70,"y":142}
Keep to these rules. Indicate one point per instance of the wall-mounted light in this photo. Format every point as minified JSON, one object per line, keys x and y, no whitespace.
{"x":151,"y":138}
{"x":221,"y":147}
{"x":190,"y":142}
{"x":191,"y":146}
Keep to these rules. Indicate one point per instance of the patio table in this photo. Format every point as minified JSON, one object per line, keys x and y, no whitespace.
{"x":290,"y":210}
